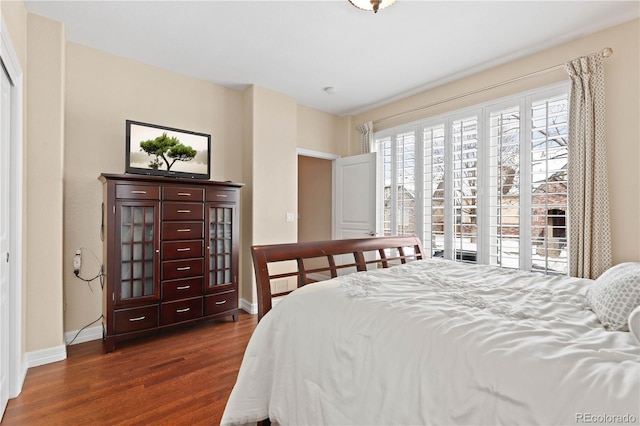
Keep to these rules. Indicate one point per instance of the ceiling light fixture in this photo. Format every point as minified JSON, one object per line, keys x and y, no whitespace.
{"x":374,"y":5}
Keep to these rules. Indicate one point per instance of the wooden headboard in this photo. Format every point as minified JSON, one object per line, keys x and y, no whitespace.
{"x":327,"y":258}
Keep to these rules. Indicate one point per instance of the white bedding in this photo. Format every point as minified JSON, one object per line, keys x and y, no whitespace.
{"x":437,"y":342}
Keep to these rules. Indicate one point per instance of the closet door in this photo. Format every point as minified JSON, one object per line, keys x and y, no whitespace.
{"x":5,"y":227}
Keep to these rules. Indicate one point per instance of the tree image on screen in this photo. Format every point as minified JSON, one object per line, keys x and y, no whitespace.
{"x":166,"y":150}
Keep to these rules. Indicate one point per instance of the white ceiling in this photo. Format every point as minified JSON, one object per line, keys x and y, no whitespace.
{"x":300,"y":47}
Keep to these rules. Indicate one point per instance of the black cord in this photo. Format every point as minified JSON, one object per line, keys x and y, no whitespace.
{"x":100,"y":274}
{"x":88,"y":280}
{"x":102,"y":223}
{"x":79,"y":331}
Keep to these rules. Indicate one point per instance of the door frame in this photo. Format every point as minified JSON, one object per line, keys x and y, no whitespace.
{"x":17,"y":366}
{"x":316,"y":154}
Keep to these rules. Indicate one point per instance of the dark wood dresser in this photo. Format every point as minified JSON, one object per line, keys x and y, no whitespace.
{"x":170,"y":252}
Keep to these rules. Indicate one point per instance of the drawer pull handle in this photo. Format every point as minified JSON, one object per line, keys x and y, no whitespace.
{"x":138,"y":192}
{"x":184,"y":287}
{"x":184,"y":211}
{"x":184,"y":230}
{"x":137,"y":319}
{"x":179,"y":311}
{"x":222,"y":195}
{"x":183,"y":268}
{"x":184,"y":194}
{"x":221,"y":302}
{"x":184,"y":249}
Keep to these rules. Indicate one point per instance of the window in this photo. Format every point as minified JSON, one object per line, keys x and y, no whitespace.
{"x":484,"y":185}
{"x":398,"y":190}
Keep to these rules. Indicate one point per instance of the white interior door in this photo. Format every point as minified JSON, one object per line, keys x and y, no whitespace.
{"x":5,"y":139}
{"x":354,"y":196}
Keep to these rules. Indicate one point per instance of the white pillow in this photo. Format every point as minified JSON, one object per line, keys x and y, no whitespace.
{"x":615,"y":294}
{"x":634,"y":323}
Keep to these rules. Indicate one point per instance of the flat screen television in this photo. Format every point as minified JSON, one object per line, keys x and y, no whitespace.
{"x":165,"y":151}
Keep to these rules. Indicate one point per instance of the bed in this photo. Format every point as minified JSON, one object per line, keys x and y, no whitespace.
{"x":407,"y":339}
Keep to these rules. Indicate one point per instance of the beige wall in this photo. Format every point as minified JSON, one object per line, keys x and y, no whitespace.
{"x":322,"y":132}
{"x":14,"y":17}
{"x":274,"y":166}
{"x":44,"y":164}
{"x":246,"y":284}
{"x":623,"y":109}
{"x":271,"y":173}
{"x":103,"y":91}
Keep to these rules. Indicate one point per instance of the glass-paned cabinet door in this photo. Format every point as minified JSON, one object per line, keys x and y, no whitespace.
{"x":220,"y":245}
{"x":137,"y":241}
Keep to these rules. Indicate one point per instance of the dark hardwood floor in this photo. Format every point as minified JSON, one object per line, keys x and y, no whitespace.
{"x":182,"y":377}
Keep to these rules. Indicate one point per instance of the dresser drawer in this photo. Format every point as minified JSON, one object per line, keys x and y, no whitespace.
{"x":222,"y":194}
{"x":127,"y":320}
{"x":137,"y":192}
{"x":182,"y":289}
{"x":181,"y":310}
{"x":182,"y":249}
{"x":220,"y":302}
{"x":182,"y":194}
{"x":182,"y":211}
{"x":174,"y":269}
{"x":182,"y":230}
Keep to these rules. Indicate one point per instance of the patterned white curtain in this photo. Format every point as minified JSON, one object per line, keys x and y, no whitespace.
{"x":366,"y":136}
{"x":589,"y":224}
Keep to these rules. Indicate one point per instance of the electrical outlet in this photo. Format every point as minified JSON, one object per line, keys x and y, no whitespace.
{"x":77,"y":261}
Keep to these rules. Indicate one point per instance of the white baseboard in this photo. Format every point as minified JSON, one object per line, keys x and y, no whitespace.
{"x":252,"y":308}
{"x":248,"y":307}
{"x":86,"y":335}
{"x":46,"y":356}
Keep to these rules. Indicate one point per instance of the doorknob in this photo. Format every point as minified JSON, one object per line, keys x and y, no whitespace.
{"x":371,"y":233}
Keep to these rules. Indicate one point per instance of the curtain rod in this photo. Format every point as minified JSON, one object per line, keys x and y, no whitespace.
{"x":606,"y":52}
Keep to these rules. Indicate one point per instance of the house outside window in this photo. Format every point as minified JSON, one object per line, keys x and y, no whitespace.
{"x":485,"y":185}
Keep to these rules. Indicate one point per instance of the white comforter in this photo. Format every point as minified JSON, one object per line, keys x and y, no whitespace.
{"x":437,"y":342}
